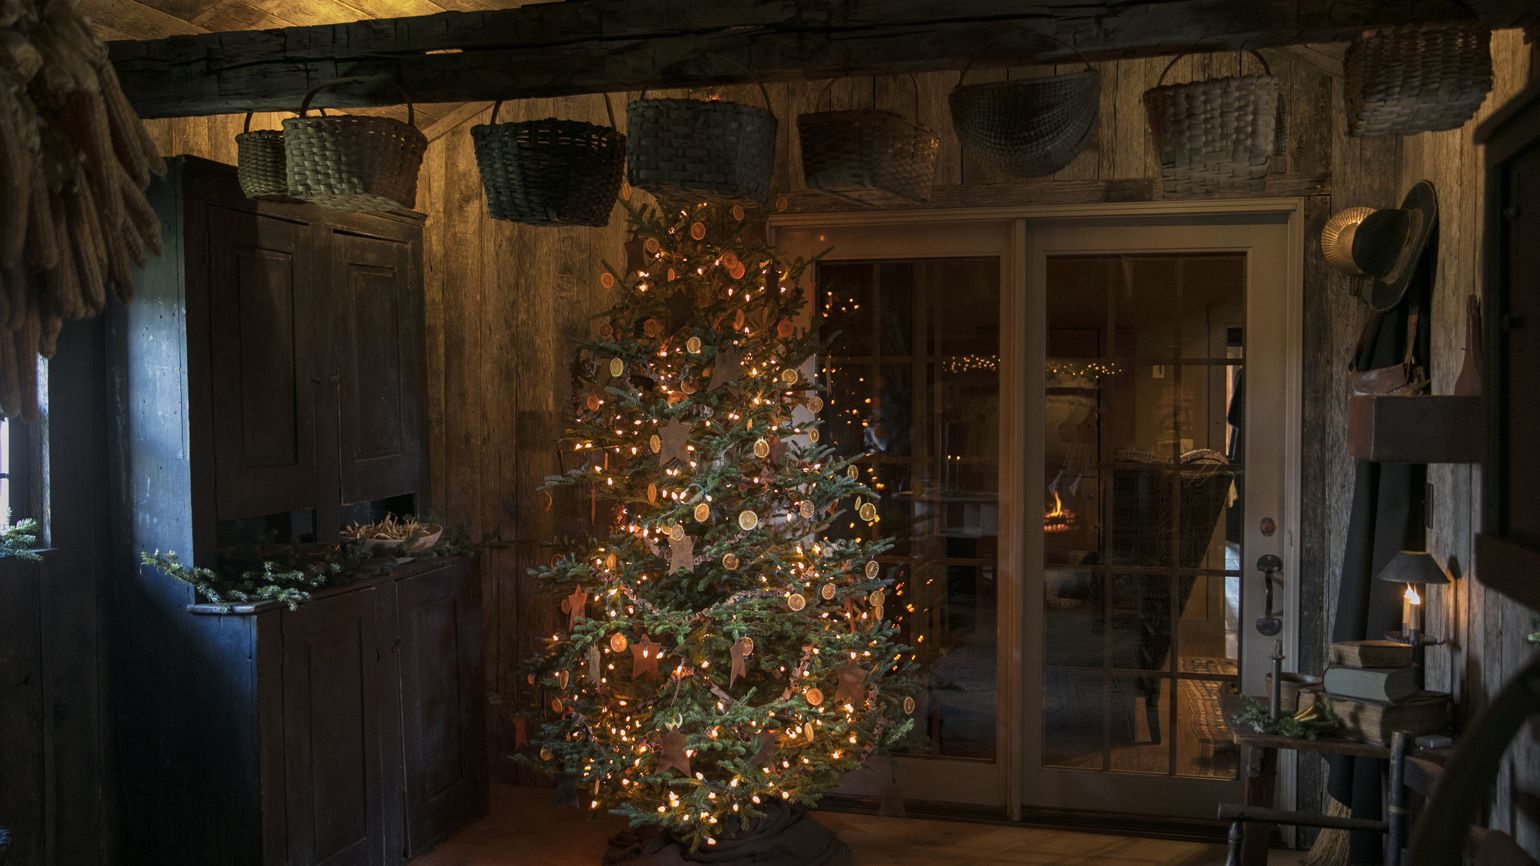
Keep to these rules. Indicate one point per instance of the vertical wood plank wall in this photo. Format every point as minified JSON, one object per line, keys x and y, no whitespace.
{"x":1486,"y":630}
{"x":505,"y":303}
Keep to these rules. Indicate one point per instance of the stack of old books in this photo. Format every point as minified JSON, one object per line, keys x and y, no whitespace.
{"x":1372,"y":686}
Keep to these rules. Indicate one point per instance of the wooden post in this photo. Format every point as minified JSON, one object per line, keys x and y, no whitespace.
{"x":1395,"y":811}
{"x":1261,"y":781}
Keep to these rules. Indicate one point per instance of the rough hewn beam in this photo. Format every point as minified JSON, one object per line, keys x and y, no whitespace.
{"x":585,"y":46}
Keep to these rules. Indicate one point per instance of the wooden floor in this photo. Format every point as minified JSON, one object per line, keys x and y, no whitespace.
{"x":525,"y":828}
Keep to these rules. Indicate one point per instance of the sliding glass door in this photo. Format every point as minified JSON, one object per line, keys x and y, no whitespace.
{"x":1078,"y":430}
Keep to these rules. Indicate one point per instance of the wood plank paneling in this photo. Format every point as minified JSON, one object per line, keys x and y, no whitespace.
{"x":504,"y":303}
{"x":1485,"y":631}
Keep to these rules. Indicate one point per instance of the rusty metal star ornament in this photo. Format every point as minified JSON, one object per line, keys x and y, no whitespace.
{"x":574,"y":606}
{"x":674,"y":752}
{"x":852,"y":684}
{"x":765,"y":754}
{"x":681,"y":553}
{"x":645,"y":654}
{"x":681,"y":308}
{"x":739,"y":651}
{"x":672,"y":439}
{"x":594,"y":663}
{"x":726,"y":367}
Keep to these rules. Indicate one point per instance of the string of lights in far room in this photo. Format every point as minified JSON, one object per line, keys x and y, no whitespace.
{"x":853,"y":404}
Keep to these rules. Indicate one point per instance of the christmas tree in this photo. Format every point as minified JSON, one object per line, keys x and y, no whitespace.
{"x":723,"y":650}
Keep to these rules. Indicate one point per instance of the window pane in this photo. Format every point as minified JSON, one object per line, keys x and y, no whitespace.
{"x":1141,"y":511}
{"x":916,"y":390}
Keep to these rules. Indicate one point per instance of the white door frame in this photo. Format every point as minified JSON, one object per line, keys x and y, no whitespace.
{"x":818,"y":231}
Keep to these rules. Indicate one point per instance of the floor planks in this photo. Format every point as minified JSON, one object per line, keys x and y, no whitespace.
{"x":524,"y":827}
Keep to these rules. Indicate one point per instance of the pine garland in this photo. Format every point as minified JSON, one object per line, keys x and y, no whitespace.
{"x":19,"y":540}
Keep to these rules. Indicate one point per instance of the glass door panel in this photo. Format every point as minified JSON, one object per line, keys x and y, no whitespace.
{"x":911,"y":317}
{"x":913,"y":374}
{"x":1144,"y":476}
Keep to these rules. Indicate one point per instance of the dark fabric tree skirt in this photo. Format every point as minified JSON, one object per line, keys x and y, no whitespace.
{"x":783,"y":837}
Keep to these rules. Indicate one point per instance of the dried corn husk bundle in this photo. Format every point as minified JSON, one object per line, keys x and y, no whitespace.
{"x":74,"y":164}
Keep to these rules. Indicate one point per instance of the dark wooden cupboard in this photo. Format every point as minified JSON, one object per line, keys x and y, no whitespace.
{"x":442,"y":705}
{"x":1508,"y":547}
{"x":269,"y":380}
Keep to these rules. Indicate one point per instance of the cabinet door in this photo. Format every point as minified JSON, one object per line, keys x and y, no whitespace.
{"x":262,"y":313}
{"x":378,"y":351}
{"x":442,"y":707}
{"x":335,"y":707}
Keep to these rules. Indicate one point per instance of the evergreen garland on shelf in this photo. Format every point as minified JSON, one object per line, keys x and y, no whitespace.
{"x":289,"y":573}
{"x":19,"y":540}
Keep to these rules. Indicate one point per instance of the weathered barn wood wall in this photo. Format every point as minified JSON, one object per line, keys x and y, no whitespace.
{"x":54,"y":694}
{"x":505,"y":303}
{"x":1486,"y":630}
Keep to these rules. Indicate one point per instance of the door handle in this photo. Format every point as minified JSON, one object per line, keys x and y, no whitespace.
{"x":1269,"y":623}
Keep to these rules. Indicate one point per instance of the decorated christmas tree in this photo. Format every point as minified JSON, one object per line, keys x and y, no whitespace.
{"x":726,"y":653}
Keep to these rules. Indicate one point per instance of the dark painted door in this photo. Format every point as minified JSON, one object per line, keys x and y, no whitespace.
{"x":378,"y":352}
{"x":439,"y":624}
{"x":334,"y":710}
{"x":262,"y":331}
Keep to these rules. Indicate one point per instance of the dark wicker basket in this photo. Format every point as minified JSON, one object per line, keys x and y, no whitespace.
{"x":259,"y":159}
{"x":684,"y":150}
{"x":1215,"y":135}
{"x":1027,"y":127}
{"x":1416,"y":77}
{"x":354,"y":162}
{"x":550,"y":172}
{"x":867,"y":156}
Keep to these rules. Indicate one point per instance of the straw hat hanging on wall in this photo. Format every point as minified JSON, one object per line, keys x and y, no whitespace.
{"x":1384,"y":245}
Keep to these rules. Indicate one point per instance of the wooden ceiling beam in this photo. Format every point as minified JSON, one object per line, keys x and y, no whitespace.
{"x":589,"y":46}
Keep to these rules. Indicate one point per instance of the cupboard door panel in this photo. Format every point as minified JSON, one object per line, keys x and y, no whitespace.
{"x":439,"y":622}
{"x":378,"y":353}
{"x":332,"y":680}
{"x":262,"y":314}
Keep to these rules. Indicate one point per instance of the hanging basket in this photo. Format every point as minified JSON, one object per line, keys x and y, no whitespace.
{"x":259,"y":163}
{"x":1027,"y":127}
{"x":867,"y":156}
{"x":1416,"y":78}
{"x":550,"y":172}
{"x":1216,"y":135}
{"x":354,"y":162}
{"x":701,"y":150}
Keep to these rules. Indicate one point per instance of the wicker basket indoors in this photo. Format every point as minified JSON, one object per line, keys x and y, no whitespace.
{"x":685,"y":150}
{"x":1027,"y":127}
{"x":868,"y":156}
{"x":1416,"y":78}
{"x":1215,"y":135}
{"x":550,"y":172}
{"x":353,"y":162}
{"x":260,"y":163}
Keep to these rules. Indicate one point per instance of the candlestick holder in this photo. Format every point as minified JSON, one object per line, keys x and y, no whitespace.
{"x":1419,"y":642}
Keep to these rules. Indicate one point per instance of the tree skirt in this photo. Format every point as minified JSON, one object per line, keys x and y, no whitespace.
{"x":783,"y":837}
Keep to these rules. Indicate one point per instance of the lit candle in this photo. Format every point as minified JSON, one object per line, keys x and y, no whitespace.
{"x":1411,"y":611}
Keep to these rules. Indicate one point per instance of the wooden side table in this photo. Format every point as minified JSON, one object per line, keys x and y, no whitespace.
{"x":1259,"y":755}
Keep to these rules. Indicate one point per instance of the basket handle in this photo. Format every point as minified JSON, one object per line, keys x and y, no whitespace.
{"x":608,"y":109}
{"x":411,"y":113}
{"x":246,"y":127}
{"x":762,"y":91}
{"x":1266,"y":70}
{"x":990,"y":43}
{"x":823,"y":91}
